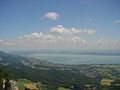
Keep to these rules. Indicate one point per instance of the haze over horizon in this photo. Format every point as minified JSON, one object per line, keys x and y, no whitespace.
{"x":44,"y":24}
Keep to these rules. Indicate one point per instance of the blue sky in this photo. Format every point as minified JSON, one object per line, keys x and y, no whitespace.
{"x":21,"y":17}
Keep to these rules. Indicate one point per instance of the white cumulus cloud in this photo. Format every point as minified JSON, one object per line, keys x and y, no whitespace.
{"x":52,"y":15}
{"x":59,"y":37}
{"x":7,"y":42}
{"x":60,"y":29}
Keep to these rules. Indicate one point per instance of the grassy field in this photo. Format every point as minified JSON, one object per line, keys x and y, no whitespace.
{"x":62,"y":88}
{"x":106,"y":82}
{"x":21,"y":82}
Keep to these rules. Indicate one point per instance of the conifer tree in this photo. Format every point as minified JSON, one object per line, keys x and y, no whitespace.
{"x":1,"y":80}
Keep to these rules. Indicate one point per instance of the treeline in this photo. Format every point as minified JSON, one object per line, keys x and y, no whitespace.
{"x":5,"y":80}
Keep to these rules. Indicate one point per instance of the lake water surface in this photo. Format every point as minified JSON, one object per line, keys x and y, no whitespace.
{"x":62,"y":58}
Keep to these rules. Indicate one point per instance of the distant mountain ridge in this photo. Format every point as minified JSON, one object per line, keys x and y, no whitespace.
{"x":4,"y":54}
{"x":78,"y":52}
{"x":22,"y":61}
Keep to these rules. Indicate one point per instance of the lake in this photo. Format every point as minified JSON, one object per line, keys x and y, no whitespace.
{"x":63,"y":58}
